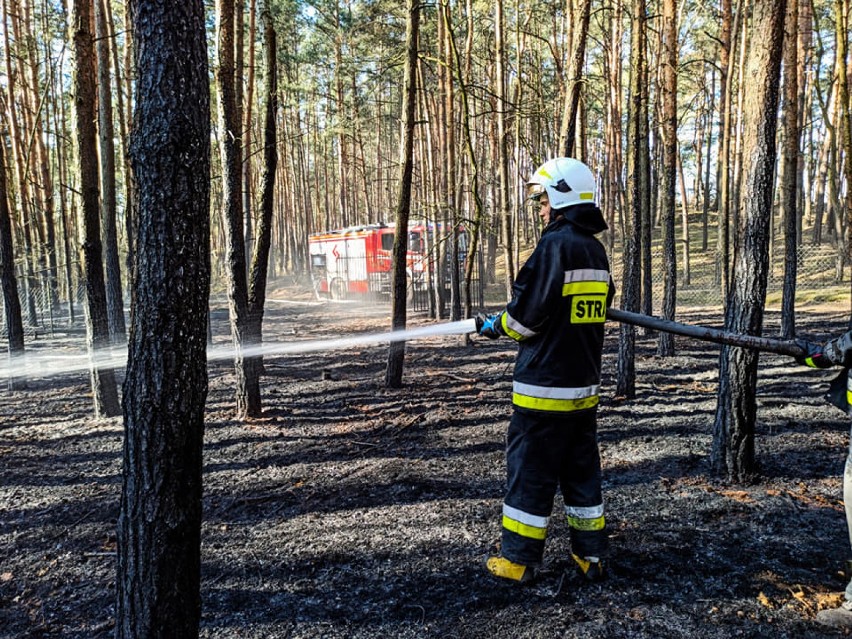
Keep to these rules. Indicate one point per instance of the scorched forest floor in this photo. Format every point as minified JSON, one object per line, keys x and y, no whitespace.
{"x":352,"y":510}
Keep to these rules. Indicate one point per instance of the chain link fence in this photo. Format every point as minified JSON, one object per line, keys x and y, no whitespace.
{"x":43,"y":315}
{"x":816,"y":278}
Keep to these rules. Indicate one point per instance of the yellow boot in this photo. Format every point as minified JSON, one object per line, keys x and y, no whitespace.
{"x":590,"y":567}
{"x":506,"y":569}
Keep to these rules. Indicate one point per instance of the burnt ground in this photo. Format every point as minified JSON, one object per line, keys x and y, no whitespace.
{"x":351,"y":510}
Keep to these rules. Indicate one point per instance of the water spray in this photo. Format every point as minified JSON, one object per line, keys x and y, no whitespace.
{"x":47,"y":365}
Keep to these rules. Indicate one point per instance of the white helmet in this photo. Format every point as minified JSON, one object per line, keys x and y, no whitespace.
{"x":565,"y":180}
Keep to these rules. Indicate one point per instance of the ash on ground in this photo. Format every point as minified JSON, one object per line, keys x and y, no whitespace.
{"x":351,"y":510}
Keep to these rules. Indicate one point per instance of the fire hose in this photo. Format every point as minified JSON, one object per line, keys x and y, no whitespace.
{"x":718,"y":336}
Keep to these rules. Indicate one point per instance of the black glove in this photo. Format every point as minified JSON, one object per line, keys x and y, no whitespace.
{"x":839,"y":349}
{"x":489,"y":325}
{"x":815,"y":355}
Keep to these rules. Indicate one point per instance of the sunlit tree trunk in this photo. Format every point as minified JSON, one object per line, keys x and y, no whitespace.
{"x":574,"y":81}
{"x":247,"y":131}
{"x":669,"y":62}
{"x":844,"y":216}
{"x":451,"y":211}
{"x":630,"y":288}
{"x":106,"y":153}
{"x":505,"y":198}
{"x":248,"y":382}
{"x":726,"y":59}
{"x":733,"y":430}
{"x":104,"y":389}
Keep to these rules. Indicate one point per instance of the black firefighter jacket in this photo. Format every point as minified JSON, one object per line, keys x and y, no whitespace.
{"x":557,"y":315}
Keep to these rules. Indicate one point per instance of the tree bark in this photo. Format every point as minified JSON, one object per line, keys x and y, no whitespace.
{"x":104,"y":389}
{"x":248,"y":402}
{"x":11,"y":301}
{"x":733,"y":430}
{"x":841,"y":17}
{"x":260,"y":262}
{"x":159,"y":528}
{"x":502,"y":147}
{"x":790,"y":177}
{"x":106,"y":148}
{"x":669,"y":62}
{"x":574,"y":84}
{"x":630,"y":295}
{"x":396,"y":352}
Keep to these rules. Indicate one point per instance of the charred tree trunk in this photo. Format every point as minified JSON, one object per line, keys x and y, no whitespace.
{"x":630,"y":289}
{"x":260,"y":263}
{"x":790,"y":177}
{"x":669,"y":61}
{"x":159,"y":529}
{"x":11,"y":301}
{"x":733,"y":431}
{"x":104,"y":389}
{"x":248,"y":377}
{"x":396,"y":352}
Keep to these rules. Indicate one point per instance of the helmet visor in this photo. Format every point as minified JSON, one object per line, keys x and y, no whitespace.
{"x":535,"y":191}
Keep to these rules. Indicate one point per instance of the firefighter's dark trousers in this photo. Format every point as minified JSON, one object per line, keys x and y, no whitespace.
{"x":544,"y":451}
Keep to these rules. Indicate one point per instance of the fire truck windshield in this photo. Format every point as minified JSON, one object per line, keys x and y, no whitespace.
{"x":415,"y":242}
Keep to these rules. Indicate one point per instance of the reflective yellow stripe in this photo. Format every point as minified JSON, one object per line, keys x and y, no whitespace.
{"x":545,"y":174}
{"x":555,"y":405}
{"x":810,"y":362}
{"x":579,"y":523}
{"x":849,"y":397}
{"x":587,"y":196}
{"x":524,"y":530}
{"x":515,"y":335}
{"x":588,"y":288}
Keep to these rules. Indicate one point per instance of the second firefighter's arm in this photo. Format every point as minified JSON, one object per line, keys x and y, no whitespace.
{"x":835,"y":352}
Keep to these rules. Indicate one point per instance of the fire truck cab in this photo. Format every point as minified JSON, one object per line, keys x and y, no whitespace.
{"x":356,"y":261}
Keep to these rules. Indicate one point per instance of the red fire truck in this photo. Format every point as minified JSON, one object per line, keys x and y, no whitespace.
{"x":356,"y":261}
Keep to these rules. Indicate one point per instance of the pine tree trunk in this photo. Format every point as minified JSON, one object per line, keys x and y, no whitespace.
{"x":104,"y":389}
{"x":504,"y":198}
{"x":574,"y":82}
{"x":159,"y":528}
{"x":790,"y":177}
{"x":630,"y":289}
{"x":724,"y":163}
{"x":248,"y":377}
{"x":669,"y":62}
{"x":844,"y":216}
{"x":106,"y":147}
{"x":396,"y":352}
{"x":733,"y":431}
{"x":260,"y":263}
{"x":11,"y":301}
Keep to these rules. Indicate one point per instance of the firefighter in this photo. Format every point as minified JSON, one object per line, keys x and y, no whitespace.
{"x":556,"y":315}
{"x":837,"y":352}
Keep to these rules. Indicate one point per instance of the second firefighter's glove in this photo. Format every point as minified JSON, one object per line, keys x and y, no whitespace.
{"x":839,"y":349}
{"x":489,"y":325}
{"x":815,"y":355}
